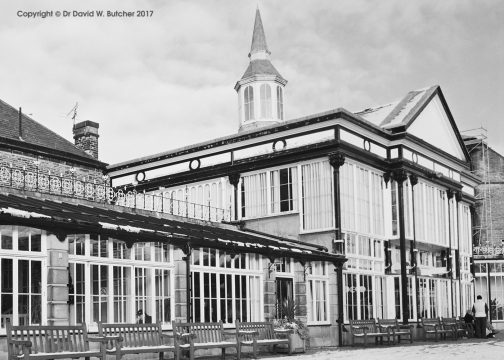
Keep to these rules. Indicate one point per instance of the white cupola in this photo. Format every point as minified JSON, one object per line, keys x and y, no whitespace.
{"x":261,"y":89}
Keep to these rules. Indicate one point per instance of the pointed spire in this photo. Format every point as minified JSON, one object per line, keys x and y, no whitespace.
{"x":258,"y":38}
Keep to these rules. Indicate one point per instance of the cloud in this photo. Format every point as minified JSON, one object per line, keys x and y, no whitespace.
{"x":158,"y":83}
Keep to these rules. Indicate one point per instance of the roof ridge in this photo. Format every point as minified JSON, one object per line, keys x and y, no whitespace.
{"x":428,"y":92}
{"x":399,"y":107}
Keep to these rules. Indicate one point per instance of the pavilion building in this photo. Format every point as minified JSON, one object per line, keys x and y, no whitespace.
{"x":389,"y":188}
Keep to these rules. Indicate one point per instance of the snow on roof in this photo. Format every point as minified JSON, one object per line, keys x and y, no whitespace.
{"x":398,"y":112}
{"x":377,"y":114}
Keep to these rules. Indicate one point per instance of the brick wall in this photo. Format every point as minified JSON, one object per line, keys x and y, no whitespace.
{"x":489,"y":165}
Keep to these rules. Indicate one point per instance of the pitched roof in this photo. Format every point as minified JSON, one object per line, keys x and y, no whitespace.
{"x":398,"y":116}
{"x":34,"y":133}
{"x":258,"y":37}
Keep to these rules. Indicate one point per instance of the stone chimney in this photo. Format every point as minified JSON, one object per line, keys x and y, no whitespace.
{"x":86,"y":137}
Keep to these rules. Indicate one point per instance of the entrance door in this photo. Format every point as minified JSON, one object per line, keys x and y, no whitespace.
{"x":284,"y":296}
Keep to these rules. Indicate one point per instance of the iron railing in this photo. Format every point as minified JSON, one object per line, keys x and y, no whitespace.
{"x":47,"y":183}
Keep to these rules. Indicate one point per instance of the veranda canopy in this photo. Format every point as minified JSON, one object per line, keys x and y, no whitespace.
{"x":63,"y":216}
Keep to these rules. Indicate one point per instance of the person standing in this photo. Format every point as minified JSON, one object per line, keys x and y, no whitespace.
{"x":480,"y":311}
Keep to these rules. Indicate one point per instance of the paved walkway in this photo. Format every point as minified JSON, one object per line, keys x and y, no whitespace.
{"x":473,"y":349}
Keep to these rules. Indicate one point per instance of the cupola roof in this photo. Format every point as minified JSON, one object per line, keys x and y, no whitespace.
{"x":258,"y":38}
{"x":259,"y":55}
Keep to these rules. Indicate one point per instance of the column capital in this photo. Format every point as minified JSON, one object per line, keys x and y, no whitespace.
{"x":336,"y":159}
{"x":413,"y":179}
{"x":186,"y":249}
{"x":234,"y":178}
{"x":386,"y":177}
{"x":450,"y":193}
{"x":400,"y":175}
{"x":60,"y":235}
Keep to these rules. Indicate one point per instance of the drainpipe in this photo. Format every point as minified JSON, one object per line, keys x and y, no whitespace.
{"x":449,"y":194}
{"x":187,"y":252}
{"x":458,"y":197}
{"x":400,"y":176}
{"x":234,"y":179}
{"x":489,"y":292}
{"x":413,"y":181}
{"x":337,"y":159}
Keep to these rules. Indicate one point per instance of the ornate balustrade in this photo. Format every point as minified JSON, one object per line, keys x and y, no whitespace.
{"x":22,"y":179}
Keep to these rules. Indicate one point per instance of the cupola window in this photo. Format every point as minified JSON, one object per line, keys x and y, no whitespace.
{"x":249,"y":103}
{"x":279,"y":103}
{"x":265,"y":92}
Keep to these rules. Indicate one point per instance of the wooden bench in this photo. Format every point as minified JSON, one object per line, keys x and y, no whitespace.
{"x":366,"y":329}
{"x":135,"y":339}
{"x":198,"y":336}
{"x":436,"y":328}
{"x":458,"y":326}
{"x":398,"y":330}
{"x":257,"y":334}
{"x":51,"y":342}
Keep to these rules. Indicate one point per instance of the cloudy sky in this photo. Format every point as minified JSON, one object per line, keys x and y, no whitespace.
{"x":166,"y":81}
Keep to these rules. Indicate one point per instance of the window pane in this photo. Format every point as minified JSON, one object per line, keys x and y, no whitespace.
{"x":279,"y":103}
{"x":265,"y":93}
{"x":23,"y":238}
{"x":6,"y":237}
{"x":6,"y":287}
{"x":36,"y":240}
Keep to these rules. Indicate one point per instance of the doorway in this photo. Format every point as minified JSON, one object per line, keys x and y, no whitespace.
{"x":284,"y":296}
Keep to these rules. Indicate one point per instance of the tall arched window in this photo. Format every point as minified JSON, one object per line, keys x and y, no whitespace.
{"x":265,"y":92}
{"x":279,"y":103}
{"x":249,"y":103}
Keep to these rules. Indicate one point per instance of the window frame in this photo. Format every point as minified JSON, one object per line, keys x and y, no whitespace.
{"x":266,"y":191}
{"x":321,"y":279}
{"x":202,"y":266}
{"x":248,"y":103}
{"x":266,"y":101}
{"x":16,"y":256}
{"x":280,"y":112}
{"x":125,"y":261}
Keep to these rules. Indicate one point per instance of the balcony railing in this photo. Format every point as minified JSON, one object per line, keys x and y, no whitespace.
{"x":47,"y":183}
